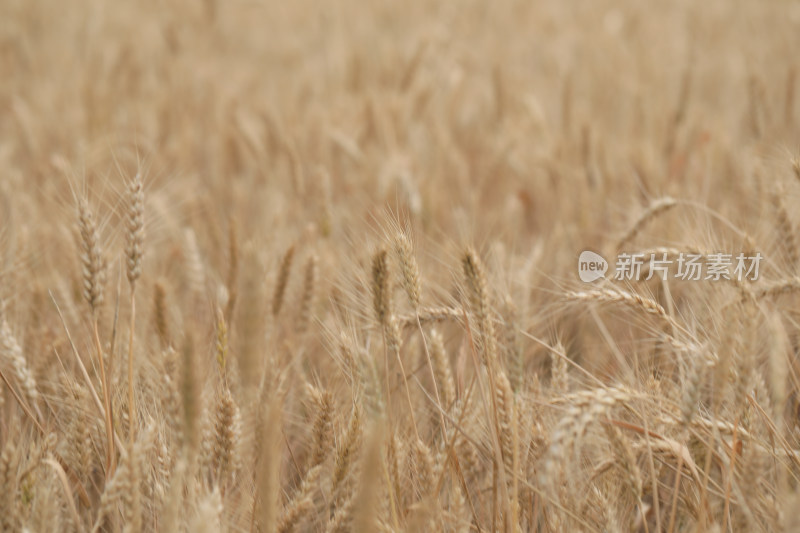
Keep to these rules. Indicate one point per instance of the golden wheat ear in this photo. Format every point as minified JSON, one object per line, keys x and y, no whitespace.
{"x":408,"y":269}
{"x":91,"y":256}
{"x":283,"y":280}
{"x":309,"y":293}
{"x":134,"y":248}
{"x":160,"y":315}
{"x":133,"y":252}
{"x":93,"y":264}
{"x":479,"y":301}
{"x":12,"y":352}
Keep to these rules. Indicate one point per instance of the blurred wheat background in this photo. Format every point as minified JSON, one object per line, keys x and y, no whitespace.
{"x":312,"y":266}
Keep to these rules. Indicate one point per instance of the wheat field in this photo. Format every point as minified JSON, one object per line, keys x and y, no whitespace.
{"x":314,"y":266}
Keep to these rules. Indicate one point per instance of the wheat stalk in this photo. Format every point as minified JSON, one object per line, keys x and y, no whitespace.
{"x":232,"y":281}
{"x":365,"y":505}
{"x":269,"y":464}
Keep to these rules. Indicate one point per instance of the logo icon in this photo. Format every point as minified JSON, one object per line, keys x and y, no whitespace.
{"x":591,"y":266}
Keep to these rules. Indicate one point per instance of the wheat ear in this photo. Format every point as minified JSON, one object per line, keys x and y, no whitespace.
{"x":12,"y":351}
{"x":302,"y":503}
{"x":91,"y":256}
{"x":655,"y":209}
{"x":134,"y":251}
{"x":309,"y":288}
{"x":786,"y":231}
{"x":322,"y":400}
{"x":410,"y":279}
{"x":345,"y":455}
{"x":382,"y":303}
{"x":478,"y":291}
{"x":160,"y":315}
{"x":94,"y":269}
{"x":283,"y":280}
{"x":477,"y":287}
{"x":408,"y":269}
{"x":632,"y":300}
{"x":444,"y":375}
{"x":224,"y":456}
